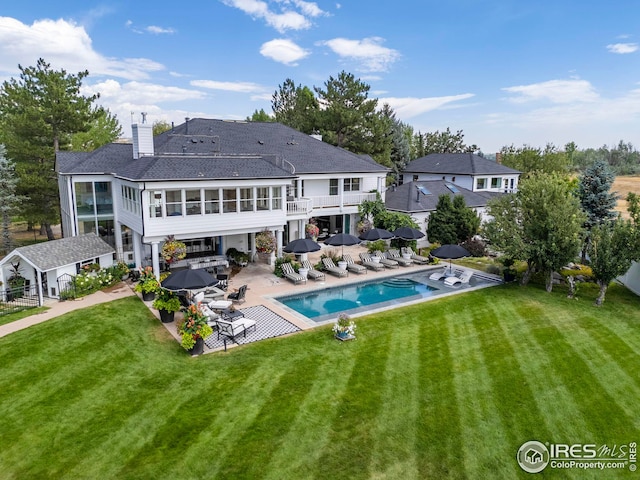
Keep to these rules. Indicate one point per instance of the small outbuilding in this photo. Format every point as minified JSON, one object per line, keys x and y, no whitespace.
{"x":42,"y":264}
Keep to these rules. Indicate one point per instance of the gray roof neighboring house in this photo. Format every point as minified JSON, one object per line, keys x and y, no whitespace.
{"x":407,"y":198}
{"x":457,"y":164}
{"x":65,"y":251}
{"x":206,"y":148}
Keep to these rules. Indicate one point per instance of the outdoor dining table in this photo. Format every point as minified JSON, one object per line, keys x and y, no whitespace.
{"x":230,"y":315}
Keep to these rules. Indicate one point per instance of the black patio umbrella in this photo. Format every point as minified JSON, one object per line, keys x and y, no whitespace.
{"x":408,"y":233}
{"x":190,"y":279}
{"x":450,"y":251}
{"x":302,"y":245}
{"x":342,"y":239}
{"x":376,"y":234}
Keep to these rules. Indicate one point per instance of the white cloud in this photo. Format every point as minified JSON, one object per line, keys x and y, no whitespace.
{"x":369,"y":52}
{"x":66,"y":45}
{"x":241,"y":87}
{"x":622,"y":48}
{"x":555,"y":91}
{"x":283,"y":51}
{"x":159,"y":30}
{"x":407,"y":107}
{"x":113,"y":91}
{"x":283,"y":21}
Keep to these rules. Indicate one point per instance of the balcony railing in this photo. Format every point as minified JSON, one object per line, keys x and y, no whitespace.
{"x":299,"y":207}
{"x":306,"y":205}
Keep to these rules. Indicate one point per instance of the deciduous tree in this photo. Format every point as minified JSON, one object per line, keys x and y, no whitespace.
{"x":103,"y":129}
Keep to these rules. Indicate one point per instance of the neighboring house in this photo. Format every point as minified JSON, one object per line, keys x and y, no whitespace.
{"x":425,"y":179}
{"x":466,"y":170}
{"x":419,"y":199}
{"x":213,"y":184}
{"x":43,"y":264}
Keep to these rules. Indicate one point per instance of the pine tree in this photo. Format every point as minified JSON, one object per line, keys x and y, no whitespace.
{"x":8,"y":200}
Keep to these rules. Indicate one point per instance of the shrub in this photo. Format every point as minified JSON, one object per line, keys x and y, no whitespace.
{"x":378,"y":245}
{"x":476,"y":247}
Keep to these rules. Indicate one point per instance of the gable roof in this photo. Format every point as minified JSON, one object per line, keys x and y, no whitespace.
{"x":457,"y":164}
{"x":46,"y":256}
{"x":407,"y":198}
{"x":206,"y":148}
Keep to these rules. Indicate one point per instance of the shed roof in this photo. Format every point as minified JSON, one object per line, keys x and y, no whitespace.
{"x":408,"y":198}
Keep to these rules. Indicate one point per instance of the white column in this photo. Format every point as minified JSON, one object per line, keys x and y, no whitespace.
{"x":155,"y":259}
{"x":137,"y":251}
{"x":252,"y":253}
{"x":279,"y":242}
{"x":118,"y":238}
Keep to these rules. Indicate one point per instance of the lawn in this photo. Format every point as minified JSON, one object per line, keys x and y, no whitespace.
{"x":449,"y":388}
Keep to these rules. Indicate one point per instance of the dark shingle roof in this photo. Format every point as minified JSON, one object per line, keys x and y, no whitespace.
{"x":65,"y":251}
{"x":406,"y":197}
{"x":221,"y":149}
{"x":457,"y":164}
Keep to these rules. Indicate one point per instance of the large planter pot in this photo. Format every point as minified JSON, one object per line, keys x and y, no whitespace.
{"x":509,"y":276}
{"x":198,"y":348}
{"x":148,"y":297}
{"x":166,"y":316}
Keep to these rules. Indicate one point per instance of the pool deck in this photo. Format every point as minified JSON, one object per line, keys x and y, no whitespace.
{"x":263,"y":285}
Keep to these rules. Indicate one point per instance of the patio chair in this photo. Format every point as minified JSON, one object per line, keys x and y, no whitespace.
{"x":290,"y":273}
{"x":353,"y":266}
{"x":232,"y":329}
{"x":313,"y":273}
{"x":387,"y":262}
{"x":370,"y":264}
{"x":394,"y":254}
{"x":414,"y":256}
{"x":464,"y":277}
{"x":238,"y":297}
{"x":330,"y":267}
{"x":439,"y":275}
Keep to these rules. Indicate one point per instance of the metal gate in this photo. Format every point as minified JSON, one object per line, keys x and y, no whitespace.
{"x":66,"y":286}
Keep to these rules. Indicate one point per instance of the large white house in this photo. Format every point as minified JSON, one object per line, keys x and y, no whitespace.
{"x":213,"y":184}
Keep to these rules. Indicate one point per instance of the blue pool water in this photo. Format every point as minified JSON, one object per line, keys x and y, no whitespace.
{"x":324,"y":304}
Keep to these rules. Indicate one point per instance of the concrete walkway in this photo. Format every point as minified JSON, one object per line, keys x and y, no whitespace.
{"x":57,"y":308}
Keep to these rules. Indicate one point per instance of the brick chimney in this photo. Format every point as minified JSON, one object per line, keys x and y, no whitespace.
{"x":142,"y":138}
{"x":499,"y":158}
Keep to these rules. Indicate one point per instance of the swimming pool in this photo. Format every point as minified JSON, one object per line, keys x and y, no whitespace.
{"x":325,"y":304}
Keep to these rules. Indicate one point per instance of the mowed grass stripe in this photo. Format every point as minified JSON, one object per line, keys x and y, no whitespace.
{"x":601,"y":412}
{"x":309,"y":433}
{"x":349,"y":449}
{"x":519,"y":412}
{"x":484,"y":439}
{"x":394,"y":433}
{"x":559,"y":416}
{"x":619,"y":383}
{"x":438,"y":444}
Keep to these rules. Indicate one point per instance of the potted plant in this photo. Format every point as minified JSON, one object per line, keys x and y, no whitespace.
{"x":173,"y":250}
{"x":148,"y":284}
{"x":312,"y":231}
{"x":265,"y":242}
{"x":167,"y":303}
{"x":509,"y":272}
{"x":193,"y":330}
{"x":344,"y":328}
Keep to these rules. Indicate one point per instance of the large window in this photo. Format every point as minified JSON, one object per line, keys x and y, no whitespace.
{"x":351,"y":184}
{"x":262,"y":198}
{"x":246,"y":199}
{"x":276,"y":198}
{"x":212,"y":201}
{"x":193,"y":202}
{"x":174,"y":202}
{"x":481,"y":183}
{"x":229,"y":197}
{"x":155,"y":203}
{"x":333,"y":186}
{"x":130,"y":199}
{"x":496,"y":182}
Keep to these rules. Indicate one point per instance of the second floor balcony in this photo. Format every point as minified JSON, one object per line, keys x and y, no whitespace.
{"x":315,"y":205}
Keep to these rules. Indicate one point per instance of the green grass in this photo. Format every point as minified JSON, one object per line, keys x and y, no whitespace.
{"x":449,"y":388}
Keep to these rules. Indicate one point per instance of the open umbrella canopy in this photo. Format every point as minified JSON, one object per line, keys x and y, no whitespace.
{"x":342,"y":239}
{"x":450,"y":251}
{"x":302,"y":245}
{"x":189,"y":280}
{"x":408,"y":233}
{"x":376,"y":234}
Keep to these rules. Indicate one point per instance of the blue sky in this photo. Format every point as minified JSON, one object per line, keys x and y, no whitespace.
{"x":503,"y":71}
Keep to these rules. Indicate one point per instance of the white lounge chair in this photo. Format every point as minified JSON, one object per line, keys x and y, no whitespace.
{"x":394,"y":254}
{"x":439,"y":275}
{"x":414,"y":256}
{"x":464,"y":277}
{"x":353,"y":266}
{"x":386,"y":261}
